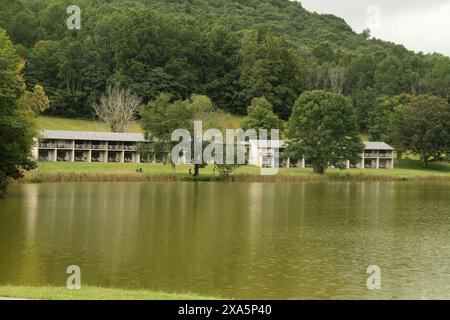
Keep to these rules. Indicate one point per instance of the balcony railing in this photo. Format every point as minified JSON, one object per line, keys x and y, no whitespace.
{"x":377,"y":155}
{"x":47,"y":145}
{"x":115,"y":147}
{"x":64,"y":146}
{"x":98,"y":147}
{"x":82,"y":146}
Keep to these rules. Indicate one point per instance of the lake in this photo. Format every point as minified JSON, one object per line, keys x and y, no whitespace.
{"x":237,"y":240}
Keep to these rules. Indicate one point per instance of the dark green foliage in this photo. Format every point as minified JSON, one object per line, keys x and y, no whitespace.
{"x":160,"y":118}
{"x":230,"y":50}
{"x":261,"y":116}
{"x":323,"y":128}
{"x":424,"y":128}
{"x":269,"y":69}
{"x":364,"y":103}
{"x":16,"y":124}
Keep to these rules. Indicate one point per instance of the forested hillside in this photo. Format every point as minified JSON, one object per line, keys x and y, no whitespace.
{"x":229,"y":50}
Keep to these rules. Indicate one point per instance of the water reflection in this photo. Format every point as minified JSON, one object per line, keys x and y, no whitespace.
{"x":239,"y":240}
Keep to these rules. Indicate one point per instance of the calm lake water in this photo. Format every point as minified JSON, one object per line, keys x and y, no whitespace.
{"x":249,"y":240}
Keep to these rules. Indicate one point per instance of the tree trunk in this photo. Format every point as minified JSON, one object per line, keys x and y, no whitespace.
{"x":424,"y":162}
{"x":318,"y":169}
{"x":3,"y":186}
{"x":196,"y":170}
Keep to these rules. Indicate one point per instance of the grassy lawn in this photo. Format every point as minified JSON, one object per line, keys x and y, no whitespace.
{"x":92,"y":293}
{"x":55,"y":123}
{"x":120,"y":168}
{"x":127,"y":171}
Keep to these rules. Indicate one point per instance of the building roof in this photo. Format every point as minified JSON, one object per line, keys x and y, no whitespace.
{"x":92,"y":136}
{"x":139,"y":137}
{"x":281,"y":144}
{"x":377,"y":146}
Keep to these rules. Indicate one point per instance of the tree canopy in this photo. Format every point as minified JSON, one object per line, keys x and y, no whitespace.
{"x":323,"y":129}
{"x":424,"y":128}
{"x":229,"y":50}
{"x":17,"y":129}
{"x":261,"y":116}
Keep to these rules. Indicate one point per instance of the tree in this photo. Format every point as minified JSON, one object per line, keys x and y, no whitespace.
{"x":323,"y":128}
{"x":269,"y":69}
{"x":424,"y":127}
{"x":360,"y":73}
{"x":160,"y":118}
{"x":438,"y":79}
{"x":17,"y":129}
{"x":323,"y":52}
{"x":337,"y":75}
{"x":117,"y":108}
{"x":261,"y":116}
{"x":364,"y":103}
{"x":232,"y":52}
{"x":36,"y":100}
{"x":366,"y":33}
{"x":389,"y":77}
{"x":383,"y":121}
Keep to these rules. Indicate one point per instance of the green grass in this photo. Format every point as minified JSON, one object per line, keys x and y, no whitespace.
{"x":85,"y":172}
{"x":54,"y":123}
{"x":79,"y":167}
{"x":92,"y":293}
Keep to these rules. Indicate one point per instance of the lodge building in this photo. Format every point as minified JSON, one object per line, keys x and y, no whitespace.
{"x":83,"y":146}
{"x":265,"y":154}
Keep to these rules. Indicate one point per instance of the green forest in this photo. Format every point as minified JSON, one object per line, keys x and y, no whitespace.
{"x":229,"y":50}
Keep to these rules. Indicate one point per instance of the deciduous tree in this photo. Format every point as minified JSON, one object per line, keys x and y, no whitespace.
{"x":424,"y":127}
{"x":323,"y":128}
{"x":261,"y":116}
{"x":117,"y":108}
{"x":17,"y":128}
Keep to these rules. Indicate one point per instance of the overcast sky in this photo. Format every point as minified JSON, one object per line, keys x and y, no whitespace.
{"x":420,"y":25}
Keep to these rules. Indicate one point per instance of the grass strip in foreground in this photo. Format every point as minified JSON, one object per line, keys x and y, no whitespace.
{"x":92,"y":293}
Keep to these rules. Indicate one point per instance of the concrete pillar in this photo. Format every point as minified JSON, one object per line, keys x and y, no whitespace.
{"x":362,"y":163}
{"x":89,"y":156}
{"x":122,"y":156}
{"x":55,"y":155}
{"x":378,"y":163}
{"x":138,"y":157}
{"x":105,"y":154}
{"x":35,"y":151}
{"x":302,"y":163}
{"x":288,"y":162}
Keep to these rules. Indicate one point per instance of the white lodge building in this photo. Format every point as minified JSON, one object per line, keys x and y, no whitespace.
{"x":263,"y":153}
{"x":83,"y":146}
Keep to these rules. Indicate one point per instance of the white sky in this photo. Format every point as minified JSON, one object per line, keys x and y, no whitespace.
{"x":420,"y":25}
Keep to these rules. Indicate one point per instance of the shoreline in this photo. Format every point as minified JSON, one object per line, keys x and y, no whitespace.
{"x":405,"y":170}
{"x":64,"y":177}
